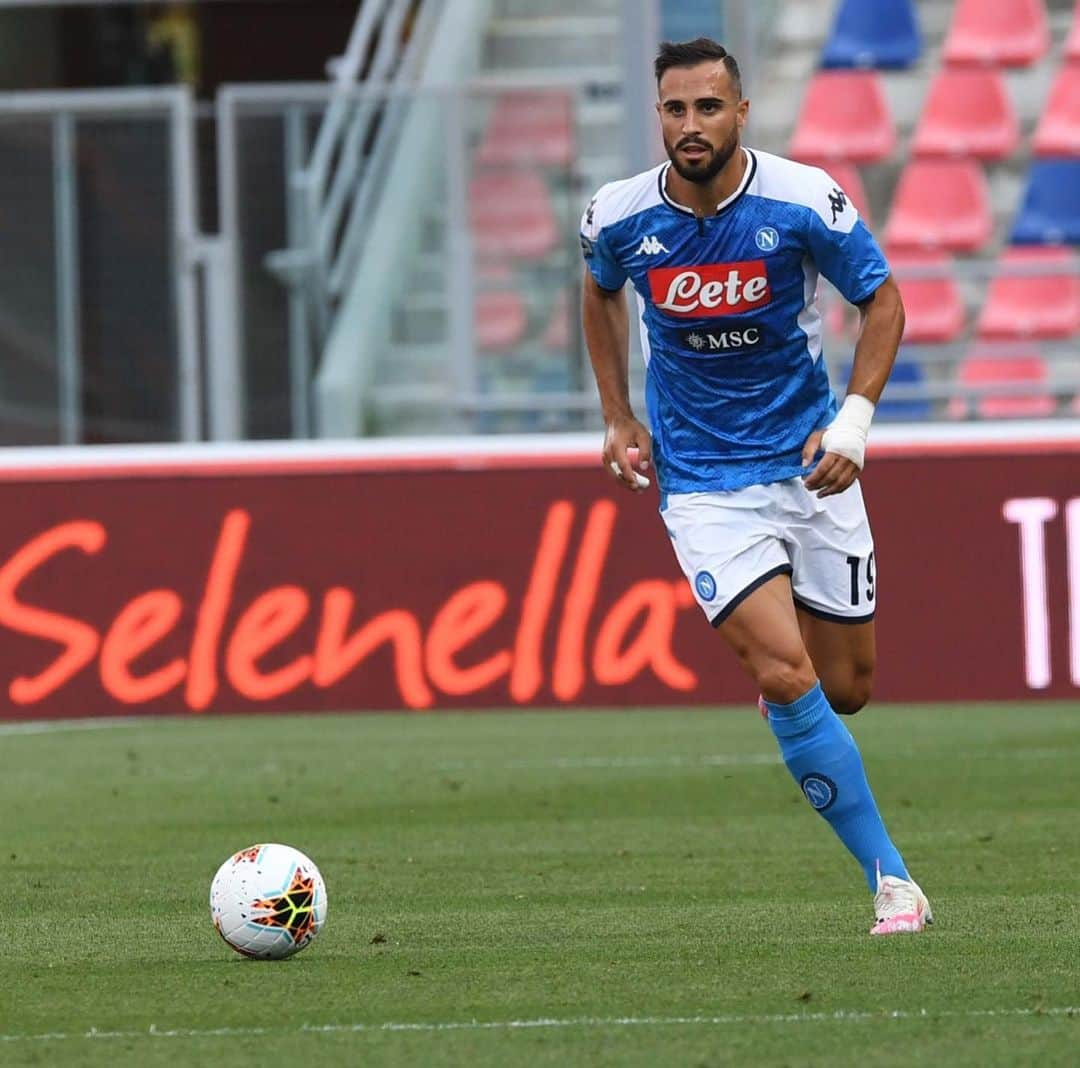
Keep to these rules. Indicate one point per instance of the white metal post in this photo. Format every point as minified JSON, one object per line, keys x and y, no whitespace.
{"x":68,"y":302}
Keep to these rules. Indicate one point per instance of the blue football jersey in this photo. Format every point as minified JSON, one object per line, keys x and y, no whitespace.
{"x":730,"y":330}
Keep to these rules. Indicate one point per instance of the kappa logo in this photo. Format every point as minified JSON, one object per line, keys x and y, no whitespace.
{"x":650,"y":246}
{"x":838,"y":202}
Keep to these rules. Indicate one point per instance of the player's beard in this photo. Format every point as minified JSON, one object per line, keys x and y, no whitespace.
{"x":704,"y":172}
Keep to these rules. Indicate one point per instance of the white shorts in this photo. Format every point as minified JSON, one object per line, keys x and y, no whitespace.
{"x":730,"y":543}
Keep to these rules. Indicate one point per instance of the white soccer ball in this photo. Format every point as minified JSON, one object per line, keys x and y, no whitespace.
{"x":268,"y":901}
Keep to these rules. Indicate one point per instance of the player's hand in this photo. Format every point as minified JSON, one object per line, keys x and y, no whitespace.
{"x":833,"y":474}
{"x":628,"y":452}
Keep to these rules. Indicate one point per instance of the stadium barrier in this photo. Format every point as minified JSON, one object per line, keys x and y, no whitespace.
{"x":461,"y":573}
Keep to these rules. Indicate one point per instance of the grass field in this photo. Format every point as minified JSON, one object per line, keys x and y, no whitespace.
{"x":593,"y":888}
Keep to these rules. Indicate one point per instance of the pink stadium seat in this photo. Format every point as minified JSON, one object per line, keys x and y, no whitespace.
{"x":557,"y":331}
{"x":1072,"y":44}
{"x":510,"y":214}
{"x":1058,"y":132}
{"x":500,"y":319}
{"x":987,"y":367}
{"x":1006,"y":33}
{"x":933,"y":305}
{"x":844,"y":116}
{"x":940,"y":204}
{"x":967,"y":113}
{"x":1037,"y":305}
{"x":529,"y":127}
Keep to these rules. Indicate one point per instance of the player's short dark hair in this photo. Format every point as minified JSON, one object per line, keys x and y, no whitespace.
{"x":691,"y":53}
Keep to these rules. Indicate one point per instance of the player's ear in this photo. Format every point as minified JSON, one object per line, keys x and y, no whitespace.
{"x":741,"y":113}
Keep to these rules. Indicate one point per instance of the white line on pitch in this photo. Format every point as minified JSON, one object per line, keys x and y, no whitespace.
{"x":839,"y":1016}
{"x":51,"y":726}
{"x":673,"y":760}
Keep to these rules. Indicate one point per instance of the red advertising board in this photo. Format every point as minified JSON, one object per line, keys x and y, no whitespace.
{"x":381,"y":581}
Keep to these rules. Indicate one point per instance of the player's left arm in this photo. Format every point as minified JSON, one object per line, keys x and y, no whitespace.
{"x":847,"y":254}
{"x":880,"y":328}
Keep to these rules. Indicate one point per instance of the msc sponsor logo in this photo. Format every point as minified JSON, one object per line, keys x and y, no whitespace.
{"x":710,"y":290}
{"x":724,"y":340}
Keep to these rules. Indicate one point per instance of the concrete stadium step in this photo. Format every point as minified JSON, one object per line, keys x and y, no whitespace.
{"x":562,"y":8}
{"x":568,"y":42}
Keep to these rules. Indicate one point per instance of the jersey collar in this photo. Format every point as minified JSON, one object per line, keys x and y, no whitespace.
{"x":747,"y":178}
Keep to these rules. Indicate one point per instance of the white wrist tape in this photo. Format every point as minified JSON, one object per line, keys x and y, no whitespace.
{"x":846,"y":434}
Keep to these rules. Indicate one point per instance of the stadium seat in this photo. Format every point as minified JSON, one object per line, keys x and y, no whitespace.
{"x":967,"y":113}
{"x":933,"y":305}
{"x":529,"y":127}
{"x":500,"y":320}
{"x":1035,"y":305}
{"x":510,"y":214}
{"x":873,"y":33}
{"x":940,"y":204}
{"x":1005,"y":33}
{"x":1058,"y":132}
{"x":1072,"y":44}
{"x":907,"y":373}
{"x":844,"y":116}
{"x":557,"y":331}
{"x":994,"y":367}
{"x":1050,"y":214}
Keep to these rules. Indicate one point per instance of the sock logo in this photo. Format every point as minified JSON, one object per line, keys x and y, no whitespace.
{"x":820,"y":790}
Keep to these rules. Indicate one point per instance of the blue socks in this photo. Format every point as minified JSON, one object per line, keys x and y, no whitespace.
{"x":824,"y":760}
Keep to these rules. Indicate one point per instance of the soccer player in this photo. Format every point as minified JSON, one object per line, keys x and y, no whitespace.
{"x":756,"y":467}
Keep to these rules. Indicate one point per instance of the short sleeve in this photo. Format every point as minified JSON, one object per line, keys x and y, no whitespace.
{"x":599,"y":258}
{"x":840,"y":244}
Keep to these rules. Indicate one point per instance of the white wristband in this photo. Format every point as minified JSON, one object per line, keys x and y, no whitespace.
{"x":846,"y":434}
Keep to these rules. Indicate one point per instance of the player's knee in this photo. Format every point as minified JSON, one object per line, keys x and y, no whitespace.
{"x":782,"y":681}
{"x":854,"y":695}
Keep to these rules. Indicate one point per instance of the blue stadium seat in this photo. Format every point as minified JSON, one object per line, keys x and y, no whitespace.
{"x":907,"y":372}
{"x":874,"y":33}
{"x":1050,"y":214}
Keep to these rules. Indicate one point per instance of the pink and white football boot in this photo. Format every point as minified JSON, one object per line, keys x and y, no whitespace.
{"x":900,"y":906}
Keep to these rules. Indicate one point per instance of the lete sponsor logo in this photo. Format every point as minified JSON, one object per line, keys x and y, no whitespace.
{"x":711,"y":289}
{"x":197,"y":642}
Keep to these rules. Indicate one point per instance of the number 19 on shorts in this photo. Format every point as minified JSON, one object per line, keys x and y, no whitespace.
{"x":862,"y":580}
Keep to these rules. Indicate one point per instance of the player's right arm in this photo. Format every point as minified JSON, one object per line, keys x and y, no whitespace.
{"x":607,"y":337}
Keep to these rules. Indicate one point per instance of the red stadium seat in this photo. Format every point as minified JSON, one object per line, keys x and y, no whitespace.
{"x":940,"y":204}
{"x":985,"y":367}
{"x":933,"y":305}
{"x":967,"y":113}
{"x":1037,"y":305}
{"x":1058,"y":132}
{"x":510,"y":214}
{"x":529,"y":127}
{"x":557,"y":331}
{"x":1005,"y":33}
{"x":500,"y":320}
{"x":844,"y":116}
{"x":1072,"y":44}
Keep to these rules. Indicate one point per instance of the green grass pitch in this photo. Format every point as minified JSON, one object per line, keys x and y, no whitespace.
{"x":541,"y":888}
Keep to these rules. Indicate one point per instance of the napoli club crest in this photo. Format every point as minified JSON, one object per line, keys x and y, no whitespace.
{"x":819,"y":789}
{"x":767,"y":239}
{"x":705,"y":585}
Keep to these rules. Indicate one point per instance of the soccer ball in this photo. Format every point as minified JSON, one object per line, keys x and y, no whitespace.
{"x":268,"y":901}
